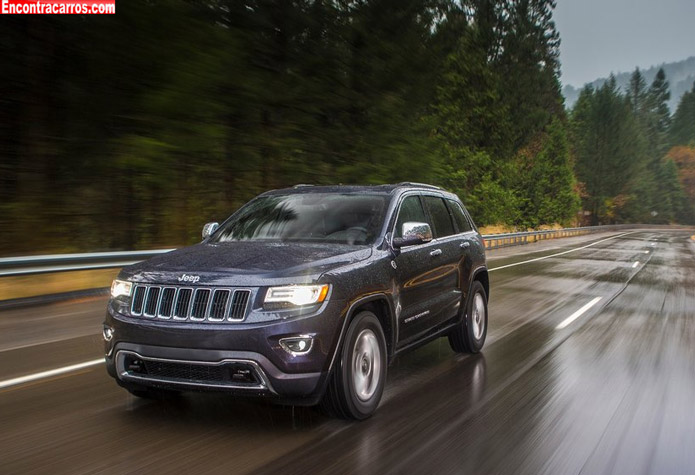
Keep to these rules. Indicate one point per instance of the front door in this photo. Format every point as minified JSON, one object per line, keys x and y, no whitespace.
{"x":424,"y":276}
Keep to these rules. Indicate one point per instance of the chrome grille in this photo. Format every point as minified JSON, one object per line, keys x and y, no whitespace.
{"x":192,"y":304}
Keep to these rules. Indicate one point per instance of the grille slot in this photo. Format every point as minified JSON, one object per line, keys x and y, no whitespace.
{"x":151,"y":302}
{"x":219,"y":305}
{"x":183,"y":303}
{"x":166,"y":306}
{"x":193,"y":304}
{"x":138,"y":299}
{"x":200,"y":304}
{"x":240,"y":302}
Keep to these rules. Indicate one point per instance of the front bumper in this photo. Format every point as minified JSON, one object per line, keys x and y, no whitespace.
{"x":195,"y":356}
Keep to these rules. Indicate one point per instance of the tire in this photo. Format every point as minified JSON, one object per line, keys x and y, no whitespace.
{"x":357,"y":382}
{"x":469,"y":335}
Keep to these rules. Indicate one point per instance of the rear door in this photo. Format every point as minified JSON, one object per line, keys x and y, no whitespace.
{"x":468,"y":242}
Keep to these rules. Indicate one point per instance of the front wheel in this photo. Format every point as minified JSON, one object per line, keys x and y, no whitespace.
{"x":469,"y":336}
{"x":357,"y":381}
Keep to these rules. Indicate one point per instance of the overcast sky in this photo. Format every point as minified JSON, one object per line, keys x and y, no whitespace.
{"x":604,"y":36}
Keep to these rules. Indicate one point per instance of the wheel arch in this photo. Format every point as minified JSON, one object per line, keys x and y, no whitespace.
{"x":379,"y":304}
{"x":481,"y":275}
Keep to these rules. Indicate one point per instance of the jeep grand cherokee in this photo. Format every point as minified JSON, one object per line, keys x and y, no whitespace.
{"x":304,"y":295}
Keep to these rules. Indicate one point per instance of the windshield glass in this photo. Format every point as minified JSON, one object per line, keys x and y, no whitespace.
{"x":316,"y":217}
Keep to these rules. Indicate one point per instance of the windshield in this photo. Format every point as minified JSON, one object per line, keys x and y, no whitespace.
{"x":316,"y":217}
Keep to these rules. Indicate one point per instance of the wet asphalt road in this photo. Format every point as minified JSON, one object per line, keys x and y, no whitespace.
{"x":611,"y":392}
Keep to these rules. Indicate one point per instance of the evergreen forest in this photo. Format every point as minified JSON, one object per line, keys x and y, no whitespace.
{"x":130,"y":131}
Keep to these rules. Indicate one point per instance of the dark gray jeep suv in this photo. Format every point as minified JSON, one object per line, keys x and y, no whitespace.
{"x":304,"y":295}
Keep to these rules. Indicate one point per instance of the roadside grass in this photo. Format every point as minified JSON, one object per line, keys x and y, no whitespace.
{"x":14,"y":287}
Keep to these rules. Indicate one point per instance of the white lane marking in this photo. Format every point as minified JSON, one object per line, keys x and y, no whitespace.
{"x":577,"y":314}
{"x":559,"y":253}
{"x":635,"y":264}
{"x":47,"y":374}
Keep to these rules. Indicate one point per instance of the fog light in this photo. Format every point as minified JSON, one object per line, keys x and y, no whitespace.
{"x":297,"y":345}
{"x":108,"y":333}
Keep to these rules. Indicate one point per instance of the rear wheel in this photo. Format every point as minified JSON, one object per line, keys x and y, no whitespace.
{"x":357,"y":381}
{"x":469,"y":336}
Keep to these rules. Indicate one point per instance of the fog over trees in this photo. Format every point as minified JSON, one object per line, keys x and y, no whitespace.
{"x":681,"y":75}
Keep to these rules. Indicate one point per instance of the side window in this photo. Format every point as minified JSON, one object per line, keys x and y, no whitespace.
{"x":459,"y":217}
{"x":411,"y":211}
{"x":441,"y":221}
{"x":469,"y":219}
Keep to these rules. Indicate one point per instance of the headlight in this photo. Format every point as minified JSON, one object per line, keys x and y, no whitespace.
{"x":121,"y":288}
{"x":296,"y":295}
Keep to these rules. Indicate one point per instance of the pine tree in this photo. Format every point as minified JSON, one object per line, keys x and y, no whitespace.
{"x":529,"y":68}
{"x":683,"y":127}
{"x":659,"y":119}
{"x":609,"y":151}
{"x":641,"y":188}
{"x":666,"y":194}
{"x":471,"y":128}
{"x":637,"y":93}
{"x":548,"y":181}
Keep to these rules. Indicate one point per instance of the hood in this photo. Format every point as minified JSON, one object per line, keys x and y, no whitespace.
{"x":250,"y":263}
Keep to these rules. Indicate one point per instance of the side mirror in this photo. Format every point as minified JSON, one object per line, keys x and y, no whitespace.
{"x":209,"y":228}
{"x":413,"y":233}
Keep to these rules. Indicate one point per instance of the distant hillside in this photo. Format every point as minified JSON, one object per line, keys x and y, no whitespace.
{"x":680,"y":75}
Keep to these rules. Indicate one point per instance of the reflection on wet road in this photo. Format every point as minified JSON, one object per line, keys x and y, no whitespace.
{"x":561,"y":386}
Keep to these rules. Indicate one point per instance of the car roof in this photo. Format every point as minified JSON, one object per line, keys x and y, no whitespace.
{"x":356,"y":189}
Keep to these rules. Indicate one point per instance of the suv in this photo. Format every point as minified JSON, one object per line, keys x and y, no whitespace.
{"x":304,"y":295}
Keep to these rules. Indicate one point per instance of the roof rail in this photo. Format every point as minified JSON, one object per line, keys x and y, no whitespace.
{"x":424,"y":185}
{"x":301,"y":185}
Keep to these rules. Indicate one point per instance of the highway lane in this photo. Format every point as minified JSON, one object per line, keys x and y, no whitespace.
{"x":69,"y":330}
{"x":610,"y":392}
{"x":40,"y":338}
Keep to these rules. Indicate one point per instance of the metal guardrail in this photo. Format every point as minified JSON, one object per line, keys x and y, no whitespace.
{"x":495,"y":241}
{"x":28,"y":265}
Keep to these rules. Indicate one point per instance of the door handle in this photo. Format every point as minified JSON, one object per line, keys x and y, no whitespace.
{"x":436,"y":252}
{"x":465,"y":245}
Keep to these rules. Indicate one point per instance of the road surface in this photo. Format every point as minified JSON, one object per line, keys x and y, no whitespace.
{"x":589,"y":367}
